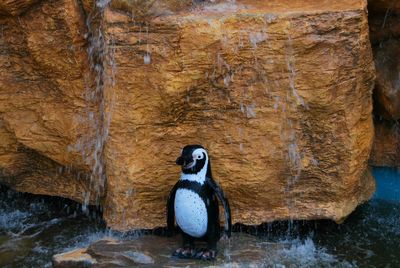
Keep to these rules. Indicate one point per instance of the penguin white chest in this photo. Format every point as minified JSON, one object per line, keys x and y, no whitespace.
{"x":190,"y":213}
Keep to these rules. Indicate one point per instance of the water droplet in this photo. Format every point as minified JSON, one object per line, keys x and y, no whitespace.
{"x":147,"y":58}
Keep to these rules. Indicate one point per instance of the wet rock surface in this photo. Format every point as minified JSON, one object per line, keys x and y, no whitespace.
{"x":278,"y":91}
{"x":45,"y":131}
{"x":241,"y":251}
{"x":386,"y":149}
{"x":384,"y":21}
{"x":15,"y":7}
{"x":387,"y":90}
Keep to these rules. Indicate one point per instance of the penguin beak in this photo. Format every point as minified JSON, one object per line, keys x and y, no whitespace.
{"x":185,"y":161}
{"x":179,"y":161}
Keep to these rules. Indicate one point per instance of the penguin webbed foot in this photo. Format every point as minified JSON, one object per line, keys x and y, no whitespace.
{"x":206,"y":254}
{"x":184,"y":253}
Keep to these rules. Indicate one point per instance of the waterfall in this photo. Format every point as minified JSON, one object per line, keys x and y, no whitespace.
{"x":289,"y":135}
{"x":100,"y":93}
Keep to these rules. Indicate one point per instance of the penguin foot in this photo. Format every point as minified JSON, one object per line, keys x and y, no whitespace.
{"x":206,"y":254}
{"x":184,"y":253}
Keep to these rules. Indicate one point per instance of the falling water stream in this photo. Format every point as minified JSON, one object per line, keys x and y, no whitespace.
{"x":103,"y":68}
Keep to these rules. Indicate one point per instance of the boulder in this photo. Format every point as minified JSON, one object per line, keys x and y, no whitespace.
{"x":386,"y":148}
{"x":74,"y":258}
{"x":15,"y":7}
{"x":26,"y":170}
{"x":278,"y":92}
{"x":44,"y":110}
{"x":384,"y":20}
{"x":387,"y":89}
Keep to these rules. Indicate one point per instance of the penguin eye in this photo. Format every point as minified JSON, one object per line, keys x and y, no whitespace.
{"x":199,"y":157}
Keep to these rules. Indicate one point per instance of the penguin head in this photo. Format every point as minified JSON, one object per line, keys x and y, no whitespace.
{"x":193,"y":159}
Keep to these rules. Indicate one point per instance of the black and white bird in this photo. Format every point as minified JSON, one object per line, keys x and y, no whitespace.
{"x":193,"y":204}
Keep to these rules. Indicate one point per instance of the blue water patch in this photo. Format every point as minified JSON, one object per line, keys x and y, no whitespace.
{"x":387,"y":183}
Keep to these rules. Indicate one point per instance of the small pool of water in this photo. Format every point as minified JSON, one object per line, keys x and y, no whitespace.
{"x":387,"y":183}
{"x":33,"y":229}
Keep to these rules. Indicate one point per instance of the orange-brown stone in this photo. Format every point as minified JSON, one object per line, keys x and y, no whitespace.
{"x":44,"y":68}
{"x":279,"y":92}
{"x":384,"y":20}
{"x":15,"y":7}
{"x":386,"y":148}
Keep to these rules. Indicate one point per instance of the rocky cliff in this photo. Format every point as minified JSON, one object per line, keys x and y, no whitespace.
{"x":384,"y":18}
{"x":279,"y":92}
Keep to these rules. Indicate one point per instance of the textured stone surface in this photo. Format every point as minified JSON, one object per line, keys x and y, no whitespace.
{"x":387,"y":90}
{"x":384,"y":6}
{"x":281,"y":99}
{"x":26,"y":170}
{"x":386,"y":148}
{"x":74,"y":258}
{"x":384,"y":17}
{"x":15,"y":7}
{"x":384,"y":20}
{"x":278,"y":91}
{"x":143,"y":10}
{"x":43,"y":109}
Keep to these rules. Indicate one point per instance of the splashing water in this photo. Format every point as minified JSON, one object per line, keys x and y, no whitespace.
{"x":303,"y":254}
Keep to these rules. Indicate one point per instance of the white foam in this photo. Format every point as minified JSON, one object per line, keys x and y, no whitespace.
{"x":304,"y":254}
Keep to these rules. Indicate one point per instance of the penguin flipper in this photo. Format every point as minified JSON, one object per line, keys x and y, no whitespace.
{"x":171,"y":209}
{"x":227,"y":210}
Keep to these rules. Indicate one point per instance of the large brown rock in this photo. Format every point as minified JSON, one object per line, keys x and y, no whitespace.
{"x":384,"y":20}
{"x":386,"y":148}
{"x":26,"y":170}
{"x":279,"y":93}
{"x":15,"y":7}
{"x":45,"y":76}
{"x":387,"y":89}
{"x":384,"y":6}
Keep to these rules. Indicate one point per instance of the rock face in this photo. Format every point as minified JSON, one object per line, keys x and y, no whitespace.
{"x":279,"y":92}
{"x":386,"y":148}
{"x":43,"y":109}
{"x":15,"y":7}
{"x":387,"y":90}
{"x":385,"y":38}
{"x":282,"y":101}
{"x":384,"y":17}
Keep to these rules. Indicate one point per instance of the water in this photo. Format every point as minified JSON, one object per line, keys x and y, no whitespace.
{"x":33,"y":229}
{"x":98,"y":93}
{"x":388,"y":186}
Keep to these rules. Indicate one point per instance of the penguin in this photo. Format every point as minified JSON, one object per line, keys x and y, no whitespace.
{"x":193,"y":204}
